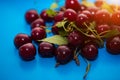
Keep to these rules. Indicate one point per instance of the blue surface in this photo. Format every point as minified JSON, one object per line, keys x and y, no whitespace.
{"x":106,"y":67}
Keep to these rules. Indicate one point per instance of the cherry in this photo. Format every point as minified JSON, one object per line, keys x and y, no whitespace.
{"x":63,"y":54}
{"x":70,"y":14}
{"x":93,"y":11}
{"x":72,"y":4}
{"x":102,"y":28}
{"x":75,"y":38}
{"x":81,"y":19}
{"x":38,"y":33}
{"x":113,"y":44}
{"x":31,"y":16}
{"x":45,"y":16}
{"x":102,"y":17}
{"x":21,"y":39}
{"x":55,"y":29}
{"x":82,"y":7}
{"x":88,"y":14}
{"x":115,"y":19}
{"x":59,"y":17}
{"x":37,"y":23}
{"x":46,"y":49}
{"x":27,"y":51}
{"x":115,"y":27}
{"x":89,"y":51}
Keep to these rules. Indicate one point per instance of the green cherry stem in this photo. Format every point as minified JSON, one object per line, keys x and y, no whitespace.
{"x":87,"y":68}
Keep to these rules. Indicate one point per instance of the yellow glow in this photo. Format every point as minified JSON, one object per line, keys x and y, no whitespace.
{"x":114,"y":2}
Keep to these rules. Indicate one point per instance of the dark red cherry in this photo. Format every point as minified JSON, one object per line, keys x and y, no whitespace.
{"x":88,"y":14}
{"x":75,"y":38}
{"x":102,"y":17}
{"x":115,"y":18}
{"x":89,"y":51}
{"x":55,"y":29}
{"x":31,"y":16}
{"x":27,"y":51}
{"x":37,"y":23}
{"x":63,"y":54}
{"x":93,"y":11}
{"x":46,"y":49}
{"x":102,"y":28}
{"x":115,"y":27}
{"x":45,"y":16}
{"x":38,"y":33}
{"x":113,"y":44}
{"x":59,"y":17}
{"x":82,"y":7}
{"x":81,"y":19}
{"x":70,"y":14}
{"x":21,"y":39}
{"x":72,"y":4}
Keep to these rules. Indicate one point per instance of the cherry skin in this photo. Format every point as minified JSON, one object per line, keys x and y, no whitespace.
{"x":89,"y":51}
{"x":93,"y":11}
{"x":37,"y":23}
{"x":63,"y":54}
{"x":102,"y":28}
{"x":115,"y":27}
{"x":102,"y":17}
{"x":72,"y":4}
{"x":88,"y":14}
{"x":55,"y":29}
{"x":82,"y":7}
{"x":81,"y":19}
{"x":115,"y":19}
{"x":75,"y":38}
{"x":46,"y":49}
{"x":31,"y":16}
{"x":70,"y":14}
{"x":27,"y":51}
{"x":45,"y":16}
{"x":59,"y":17}
{"x":38,"y":33}
{"x":113,"y":44}
{"x":21,"y":39}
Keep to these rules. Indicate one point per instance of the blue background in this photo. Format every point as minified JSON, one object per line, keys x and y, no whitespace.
{"x":106,"y":67}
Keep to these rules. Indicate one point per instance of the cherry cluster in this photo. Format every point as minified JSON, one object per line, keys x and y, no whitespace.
{"x":86,"y":29}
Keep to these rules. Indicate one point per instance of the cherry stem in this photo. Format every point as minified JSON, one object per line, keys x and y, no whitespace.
{"x":69,"y":28}
{"x":95,"y":34}
{"x":87,"y":68}
{"x":102,"y":33}
{"x":76,"y":56}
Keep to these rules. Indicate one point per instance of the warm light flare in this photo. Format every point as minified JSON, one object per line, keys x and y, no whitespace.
{"x":114,"y":2}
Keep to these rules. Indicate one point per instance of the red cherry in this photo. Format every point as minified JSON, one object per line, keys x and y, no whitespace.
{"x":72,"y":4}
{"x":37,"y":23}
{"x":31,"y":16}
{"x":102,"y":28}
{"x":70,"y":14}
{"x":113,"y":44}
{"x":89,"y":51}
{"x":21,"y":39}
{"x":102,"y":17}
{"x":38,"y":33}
{"x":115,"y":19}
{"x":81,"y":19}
{"x":59,"y":17}
{"x":27,"y":51}
{"x":45,"y":16}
